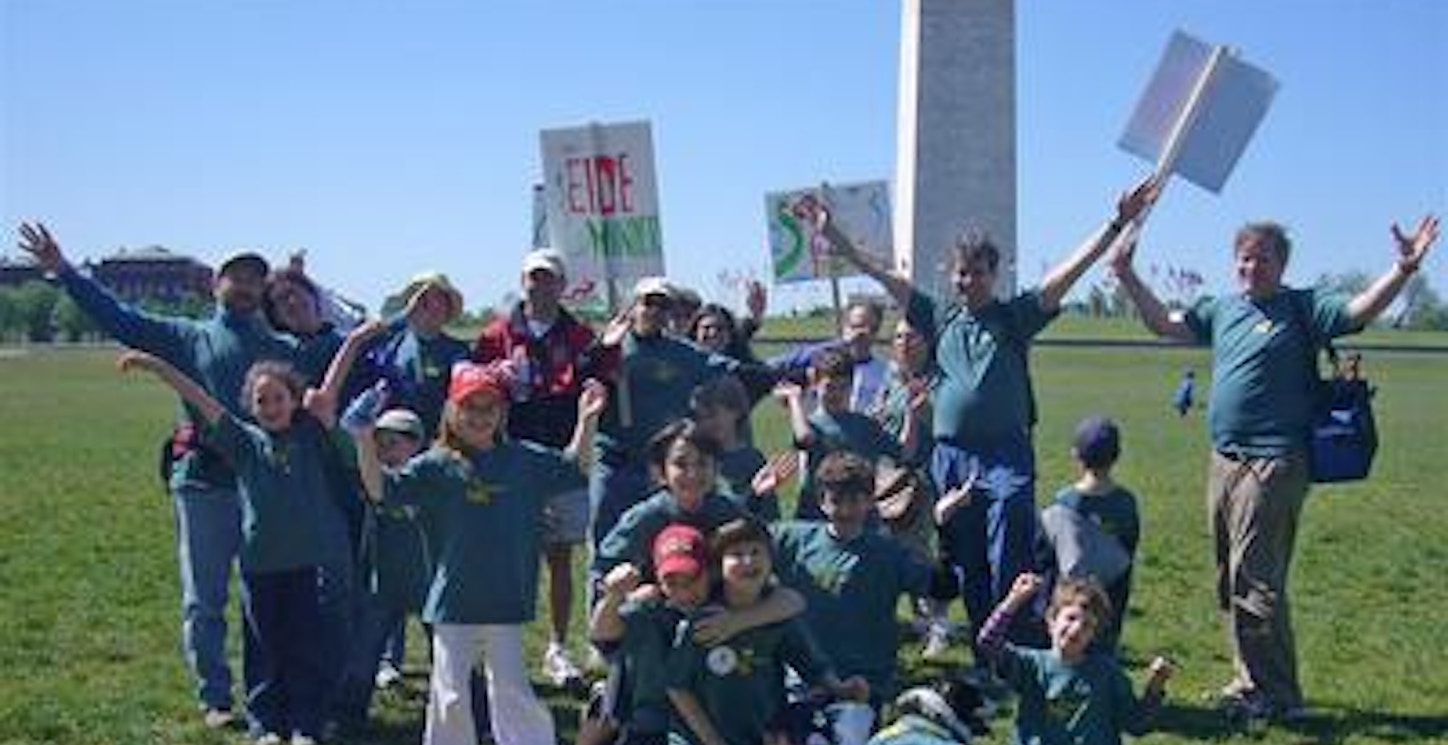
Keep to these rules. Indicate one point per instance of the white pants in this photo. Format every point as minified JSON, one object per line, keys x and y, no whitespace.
{"x":519,"y":718}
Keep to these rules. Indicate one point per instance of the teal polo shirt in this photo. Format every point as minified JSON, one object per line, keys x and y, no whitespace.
{"x":283,"y":488}
{"x":485,"y":515}
{"x":1263,"y":365}
{"x":632,"y":539}
{"x":982,"y":394}
{"x":851,"y":588}
{"x":845,"y":431}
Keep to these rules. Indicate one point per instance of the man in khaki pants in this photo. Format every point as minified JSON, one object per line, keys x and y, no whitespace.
{"x":1264,"y":343}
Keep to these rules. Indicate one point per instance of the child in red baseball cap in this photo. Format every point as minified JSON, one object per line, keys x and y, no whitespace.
{"x":483,"y":494}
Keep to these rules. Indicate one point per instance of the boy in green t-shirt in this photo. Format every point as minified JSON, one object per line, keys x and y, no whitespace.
{"x":852,"y":577}
{"x":833,"y":427}
{"x":1069,"y":693}
{"x":1093,"y":526}
{"x":731,"y":693}
{"x":642,"y":626}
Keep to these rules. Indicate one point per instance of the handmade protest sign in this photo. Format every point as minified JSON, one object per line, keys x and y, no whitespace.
{"x":602,"y":206}
{"x":798,"y":252}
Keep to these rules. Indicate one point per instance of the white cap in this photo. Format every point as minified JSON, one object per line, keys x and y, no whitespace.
{"x":546,"y":259}
{"x":653,"y":286}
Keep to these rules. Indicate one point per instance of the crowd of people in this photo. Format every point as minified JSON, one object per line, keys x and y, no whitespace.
{"x":356,"y":477}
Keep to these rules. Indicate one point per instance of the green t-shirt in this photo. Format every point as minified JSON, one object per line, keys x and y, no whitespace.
{"x":982,"y":390}
{"x":846,"y":431}
{"x":486,"y":518}
{"x":632,"y":538}
{"x":740,"y":682}
{"x":1089,"y":703}
{"x":851,"y":589}
{"x":1262,"y":379}
{"x":283,"y":488}
{"x":650,"y":627}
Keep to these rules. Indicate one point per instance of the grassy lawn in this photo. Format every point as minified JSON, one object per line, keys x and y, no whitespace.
{"x":89,"y":602}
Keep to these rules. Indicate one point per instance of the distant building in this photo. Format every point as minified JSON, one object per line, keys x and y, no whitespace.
{"x":153,"y":274}
{"x":16,"y":273}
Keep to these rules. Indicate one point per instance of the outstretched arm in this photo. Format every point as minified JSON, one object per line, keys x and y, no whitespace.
{"x":1154,"y":313}
{"x":1412,"y":249}
{"x":781,"y":604}
{"x":792,"y":396}
{"x":210,"y":409}
{"x":1060,"y":279}
{"x":369,"y":466}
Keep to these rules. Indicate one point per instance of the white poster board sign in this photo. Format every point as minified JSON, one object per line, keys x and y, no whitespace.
{"x":1207,"y":97}
{"x":797,"y":252}
{"x":602,"y":205}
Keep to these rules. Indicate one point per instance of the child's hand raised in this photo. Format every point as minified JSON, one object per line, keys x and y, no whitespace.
{"x":622,"y":579}
{"x":788,"y":391}
{"x":1025,"y":586}
{"x":593,"y":400}
{"x":779,"y":470}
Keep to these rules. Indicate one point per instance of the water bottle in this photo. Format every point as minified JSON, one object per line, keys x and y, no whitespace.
{"x":366,"y":407}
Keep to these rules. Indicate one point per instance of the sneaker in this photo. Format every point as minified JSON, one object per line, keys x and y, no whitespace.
{"x":937,"y":643}
{"x":387,"y":676}
{"x":217,"y":718}
{"x":270,"y":738}
{"x":559,"y":669}
{"x":301,"y":739}
{"x":596,"y":662}
{"x":1242,"y":704}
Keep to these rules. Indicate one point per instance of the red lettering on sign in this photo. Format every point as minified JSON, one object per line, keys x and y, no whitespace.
{"x":598,"y":185}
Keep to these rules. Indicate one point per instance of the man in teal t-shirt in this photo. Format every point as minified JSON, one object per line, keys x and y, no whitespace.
{"x":1264,"y":341}
{"x":984,"y":408}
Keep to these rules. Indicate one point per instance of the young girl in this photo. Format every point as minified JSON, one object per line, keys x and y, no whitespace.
{"x":1069,"y":693}
{"x":286,"y":509}
{"x":482,"y":496}
{"x":721,"y":409}
{"x":685,"y":462}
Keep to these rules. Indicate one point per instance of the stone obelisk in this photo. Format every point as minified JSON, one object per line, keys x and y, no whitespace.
{"x":955,"y":164}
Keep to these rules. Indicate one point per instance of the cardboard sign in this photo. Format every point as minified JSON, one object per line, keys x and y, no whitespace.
{"x":1199,"y":112}
{"x":798,"y":253}
{"x":602,"y":205}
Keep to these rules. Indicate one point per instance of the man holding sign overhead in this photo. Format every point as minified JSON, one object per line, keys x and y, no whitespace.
{"x":984,"y":406}
{"x":1264,"y":341}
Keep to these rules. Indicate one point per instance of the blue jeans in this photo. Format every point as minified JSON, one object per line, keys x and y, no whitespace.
{"x":208,"y":542}
{"x":991,"y":538}
{"x":286,"y":658}
{"x":375,"y":624}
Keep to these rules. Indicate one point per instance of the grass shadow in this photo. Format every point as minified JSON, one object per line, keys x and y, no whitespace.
{"x":1325,"y":725}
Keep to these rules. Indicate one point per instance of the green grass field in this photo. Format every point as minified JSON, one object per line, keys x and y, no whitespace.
{"x":89,"y":601}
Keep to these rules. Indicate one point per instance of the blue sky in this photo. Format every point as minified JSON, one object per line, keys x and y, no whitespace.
{"x":388,"y":137}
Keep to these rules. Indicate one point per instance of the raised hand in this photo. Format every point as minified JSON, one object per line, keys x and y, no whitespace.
{"x":622,"y":579}
{"x":1026,"y":585}
{"x":36,"y":241}
{"x":617,"y":326}
{"x":1137,"y":200}
{"x":755,"y":299}
{"x":320,"y":404}
{"x":1413,"y":248}
{"x":592,"y":400}
{"x":787,"y":391}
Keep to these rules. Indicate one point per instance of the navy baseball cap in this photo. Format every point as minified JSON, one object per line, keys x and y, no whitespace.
{"x":1098,"y":441}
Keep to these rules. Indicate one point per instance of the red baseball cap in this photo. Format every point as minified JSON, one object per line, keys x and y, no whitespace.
{"x":680,"y":549}
{"x":470,"y":377}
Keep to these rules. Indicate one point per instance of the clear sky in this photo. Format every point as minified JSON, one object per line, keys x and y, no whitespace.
{"x":392,"y":137}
